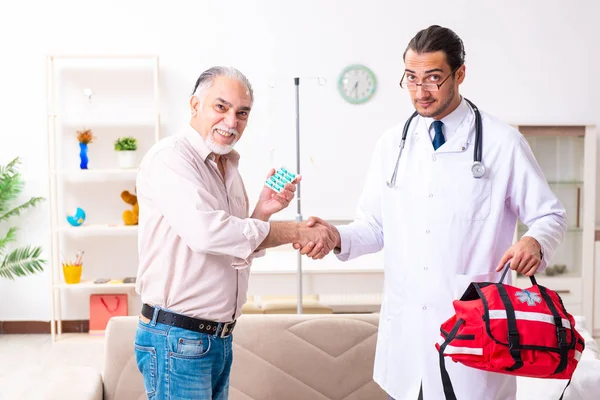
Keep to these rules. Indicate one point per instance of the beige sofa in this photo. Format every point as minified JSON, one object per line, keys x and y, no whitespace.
{"x":289,"y":357}
{"x":276,"y":357}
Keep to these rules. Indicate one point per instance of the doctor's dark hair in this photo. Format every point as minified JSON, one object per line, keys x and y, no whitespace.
{"x":437,"y":38}
{"x":206,"y":79}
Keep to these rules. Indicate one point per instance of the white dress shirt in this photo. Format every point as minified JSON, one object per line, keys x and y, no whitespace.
{"x":195,"y":239}
{"x":443,"y":229}
{"x":451,"y":122}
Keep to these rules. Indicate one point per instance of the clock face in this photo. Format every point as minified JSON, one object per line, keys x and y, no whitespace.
{"x":357,"y":84}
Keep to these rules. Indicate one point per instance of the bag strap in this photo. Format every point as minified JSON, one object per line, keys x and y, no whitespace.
{"x":448,"y":389}
{"x":513,"y":334}
{"x":107,"y":307}
{"x":561,"y":331}
{"x":564,"y":390}
{"x":507,"y":268}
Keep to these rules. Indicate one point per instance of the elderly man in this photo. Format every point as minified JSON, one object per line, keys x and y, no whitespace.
{"x":196,"y":242}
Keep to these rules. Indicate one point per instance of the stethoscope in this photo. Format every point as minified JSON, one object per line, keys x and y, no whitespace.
{"x":478,"y":169}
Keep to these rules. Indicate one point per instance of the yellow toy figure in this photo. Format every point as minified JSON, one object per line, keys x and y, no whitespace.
{"x":130,"y":217}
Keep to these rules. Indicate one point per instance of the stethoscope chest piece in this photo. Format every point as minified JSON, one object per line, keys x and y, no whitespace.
{"x":478,"y":169}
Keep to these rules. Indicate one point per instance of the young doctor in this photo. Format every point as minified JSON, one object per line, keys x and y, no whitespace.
{"x":445,"y":210}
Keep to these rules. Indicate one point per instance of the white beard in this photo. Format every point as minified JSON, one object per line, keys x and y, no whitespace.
{"x":218,"y":148}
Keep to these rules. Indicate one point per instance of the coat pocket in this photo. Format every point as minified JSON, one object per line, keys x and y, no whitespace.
{"x":473,"y":199}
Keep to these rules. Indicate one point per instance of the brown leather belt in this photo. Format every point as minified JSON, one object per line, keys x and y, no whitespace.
{"x":222,"y":329}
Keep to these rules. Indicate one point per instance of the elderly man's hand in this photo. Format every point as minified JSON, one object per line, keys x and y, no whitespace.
{"x":525,"y":256}
{"x":328,"y":239}
{"x":271,"y":202}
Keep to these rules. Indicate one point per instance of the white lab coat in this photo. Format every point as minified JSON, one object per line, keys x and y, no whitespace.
{"x":442,"y":229}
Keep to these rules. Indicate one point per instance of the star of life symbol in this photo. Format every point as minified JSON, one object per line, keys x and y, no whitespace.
{"x":528,"y":297}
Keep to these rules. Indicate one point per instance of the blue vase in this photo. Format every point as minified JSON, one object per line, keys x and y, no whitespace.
{"x":83,"y":148}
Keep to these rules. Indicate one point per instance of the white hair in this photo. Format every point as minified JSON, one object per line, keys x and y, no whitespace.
{"x":208,"y":77}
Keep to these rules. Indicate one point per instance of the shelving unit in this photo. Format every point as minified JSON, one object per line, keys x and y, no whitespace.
{"x":109,"y":230}
{"x":596,"y":322}
{"x":92,"y":285}
{"x":98,"y":174}
{"x":567,"y":156}
{"x":114,"y":96}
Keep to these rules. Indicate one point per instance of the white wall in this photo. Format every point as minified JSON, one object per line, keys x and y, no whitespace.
{"x":527,"y":62}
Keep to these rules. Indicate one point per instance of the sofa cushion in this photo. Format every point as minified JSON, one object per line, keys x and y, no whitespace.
{"x":122,"y":379}
{"x":299,"y":357}
{"x":292,"y":308}
{"x":292,"y":357}
{"x":289,"y":305}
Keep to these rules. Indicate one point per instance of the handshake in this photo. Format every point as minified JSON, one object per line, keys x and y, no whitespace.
{"x":317,"y":238}
{"x":314,"y":237}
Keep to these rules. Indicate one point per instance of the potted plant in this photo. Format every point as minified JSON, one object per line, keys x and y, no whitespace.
{"x":24,"y":260}
{"x":84,"y":137}
{"x":126,"y":148}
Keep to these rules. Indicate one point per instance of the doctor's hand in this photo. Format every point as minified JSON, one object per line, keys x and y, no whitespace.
{"x":317,"y":250}
{"x":525,"y":256}
{"x":271,"y":202}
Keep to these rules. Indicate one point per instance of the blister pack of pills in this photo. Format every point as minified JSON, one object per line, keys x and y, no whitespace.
{"x":278,"y":180}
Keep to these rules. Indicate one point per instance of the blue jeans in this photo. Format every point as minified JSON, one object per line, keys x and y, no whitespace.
{"x":179,"y":364}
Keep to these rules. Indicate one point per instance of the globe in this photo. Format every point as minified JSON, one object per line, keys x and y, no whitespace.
{"x":76,"y":217}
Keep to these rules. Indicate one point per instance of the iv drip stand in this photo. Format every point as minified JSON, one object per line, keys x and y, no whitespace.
{"x":299,"y":208}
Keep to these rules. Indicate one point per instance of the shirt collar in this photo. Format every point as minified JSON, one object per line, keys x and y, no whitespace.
{"x":199,"y":144}
{"x":451,"y":121}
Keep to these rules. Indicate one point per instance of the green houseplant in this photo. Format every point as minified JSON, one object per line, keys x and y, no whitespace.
{"x":126,"y":148}
{"x":24,"y":260}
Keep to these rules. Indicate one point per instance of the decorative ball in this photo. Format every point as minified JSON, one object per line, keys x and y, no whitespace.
{"x":76,"y":217}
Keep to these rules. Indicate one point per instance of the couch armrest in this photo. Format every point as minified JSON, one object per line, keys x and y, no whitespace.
{"x":68,"y":383}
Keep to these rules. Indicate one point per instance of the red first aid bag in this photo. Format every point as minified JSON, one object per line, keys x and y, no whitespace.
{"x":504,"y":329}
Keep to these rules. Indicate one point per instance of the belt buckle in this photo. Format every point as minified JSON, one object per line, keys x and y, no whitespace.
{"x":225,"y":331}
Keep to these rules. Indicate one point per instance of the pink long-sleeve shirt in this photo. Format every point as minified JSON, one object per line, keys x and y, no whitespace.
{"x":195,"y":239}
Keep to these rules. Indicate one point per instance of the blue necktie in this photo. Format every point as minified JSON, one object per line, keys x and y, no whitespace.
{"x":438,"y":139}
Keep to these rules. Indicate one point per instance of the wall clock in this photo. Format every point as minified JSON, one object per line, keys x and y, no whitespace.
{"x":357,"y":84}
